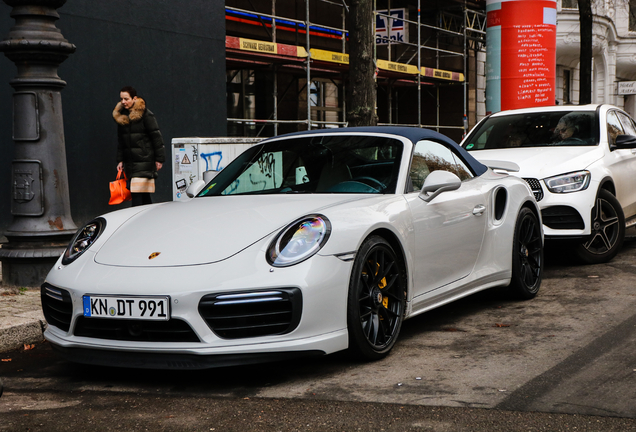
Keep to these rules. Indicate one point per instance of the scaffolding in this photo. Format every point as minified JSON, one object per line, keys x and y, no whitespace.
{"x":400,"y":62}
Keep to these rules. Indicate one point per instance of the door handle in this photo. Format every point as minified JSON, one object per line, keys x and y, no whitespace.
{"x":479,"y":210}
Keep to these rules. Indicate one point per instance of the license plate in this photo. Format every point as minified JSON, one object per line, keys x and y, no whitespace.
{"x":142,"y":308}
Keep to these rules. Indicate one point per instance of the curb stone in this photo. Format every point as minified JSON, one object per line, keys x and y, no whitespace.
{"x":21,"y":318}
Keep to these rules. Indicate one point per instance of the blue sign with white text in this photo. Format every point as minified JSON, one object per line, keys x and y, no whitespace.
{"x":391,"y":29}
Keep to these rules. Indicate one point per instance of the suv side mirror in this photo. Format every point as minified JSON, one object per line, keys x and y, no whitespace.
{"x":438,"y":182}
{"x":625,"y":142}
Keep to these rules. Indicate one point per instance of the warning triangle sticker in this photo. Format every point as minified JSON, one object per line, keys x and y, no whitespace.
{"x":185,"y":160}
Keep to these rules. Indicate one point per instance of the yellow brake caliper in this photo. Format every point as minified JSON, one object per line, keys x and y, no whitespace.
{"x":381,"y":285}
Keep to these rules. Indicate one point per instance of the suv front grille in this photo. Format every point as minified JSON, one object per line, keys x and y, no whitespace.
{"x":57,"y":306}
{"x":252,"y":313}
{"x":562,"y":217}
{"x":173,"y":330}
{"x":535,"y":185}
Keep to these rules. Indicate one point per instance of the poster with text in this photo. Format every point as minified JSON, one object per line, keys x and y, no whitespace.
{"x":521,"y":54}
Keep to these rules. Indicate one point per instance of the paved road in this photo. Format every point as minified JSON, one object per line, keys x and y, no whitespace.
{"x":563,"y":361}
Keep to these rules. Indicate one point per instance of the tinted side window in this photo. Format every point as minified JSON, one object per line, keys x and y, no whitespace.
{"x":628,"y":124}
{"x":614,"y":127}
{"x":429,"y":156}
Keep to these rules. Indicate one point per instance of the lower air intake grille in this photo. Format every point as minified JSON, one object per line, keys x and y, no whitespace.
{"x":562,"y":217}
{"x":535,"y":185}
{"x":252,"y":313}
{"x":174,"y":330}
{"x":57,"y":306}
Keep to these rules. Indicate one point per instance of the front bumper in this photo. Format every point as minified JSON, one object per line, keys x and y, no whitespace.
{"x":565,"y":215}
{"x":173,"y":359}
{"x":321,"y":327}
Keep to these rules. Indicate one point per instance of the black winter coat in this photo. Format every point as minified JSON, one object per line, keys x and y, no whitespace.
{"x":140,"y":143}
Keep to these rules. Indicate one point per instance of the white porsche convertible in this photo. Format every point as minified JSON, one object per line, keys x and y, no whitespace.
{"x":308,"y":243}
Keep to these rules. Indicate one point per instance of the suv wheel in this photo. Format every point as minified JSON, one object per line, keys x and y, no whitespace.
{"x":608,"y":230}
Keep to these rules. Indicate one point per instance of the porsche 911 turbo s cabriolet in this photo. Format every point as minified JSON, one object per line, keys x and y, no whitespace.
{"x":308,"y":243}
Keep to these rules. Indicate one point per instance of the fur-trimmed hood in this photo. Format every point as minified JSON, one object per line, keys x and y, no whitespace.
{"x":135,"y":113}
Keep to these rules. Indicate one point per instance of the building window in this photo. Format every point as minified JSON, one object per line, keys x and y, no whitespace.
{"x":571,"y":4}
{"x":325,"y":101}
{"x":241,"y":102}
{"x":567,"y":86}
{"x":632,"y":15}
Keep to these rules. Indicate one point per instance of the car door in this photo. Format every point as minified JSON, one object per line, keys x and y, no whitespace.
{"x":622,"y":163}
{"x":447,"y":231}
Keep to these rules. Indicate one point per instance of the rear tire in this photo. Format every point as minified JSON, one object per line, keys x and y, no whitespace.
{"x":527,"y":256}
{"x":376,"y":301}
{"x":608,"y":230}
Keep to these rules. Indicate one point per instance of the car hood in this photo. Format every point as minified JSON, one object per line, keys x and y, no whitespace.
{"x":544,"y":162}
{"x":205,"y":230}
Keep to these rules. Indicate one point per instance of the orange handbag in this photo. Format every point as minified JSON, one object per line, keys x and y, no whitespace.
{"x":118,"y":190}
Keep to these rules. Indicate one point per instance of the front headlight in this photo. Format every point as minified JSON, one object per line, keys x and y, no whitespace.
{"x":83,"y":239}
{"x":299,"y":240}
{"x":572,"y":182}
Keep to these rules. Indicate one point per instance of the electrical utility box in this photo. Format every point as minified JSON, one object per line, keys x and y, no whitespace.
{"x":194,"y":158}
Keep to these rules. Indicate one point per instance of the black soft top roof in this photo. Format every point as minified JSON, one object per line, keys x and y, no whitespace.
{"x":413,"y":134}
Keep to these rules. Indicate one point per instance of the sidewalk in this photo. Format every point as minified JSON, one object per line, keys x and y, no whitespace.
{"x":21,"y":318}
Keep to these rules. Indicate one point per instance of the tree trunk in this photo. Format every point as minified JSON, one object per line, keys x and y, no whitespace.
{"x":585,"y":79}
{"x":362,"y":86}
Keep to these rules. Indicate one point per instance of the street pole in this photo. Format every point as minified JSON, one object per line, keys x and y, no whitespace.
{"x":40,"y":206}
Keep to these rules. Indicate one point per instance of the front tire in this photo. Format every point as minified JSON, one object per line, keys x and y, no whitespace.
{"x":376,"y":300}
{"x":527,"y":256}
{"x":608,"y":230}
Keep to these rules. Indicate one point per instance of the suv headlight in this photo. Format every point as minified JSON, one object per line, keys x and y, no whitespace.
{"x":299,"y":241}
{"x":83,"y":239}
{"x":565,"y":183}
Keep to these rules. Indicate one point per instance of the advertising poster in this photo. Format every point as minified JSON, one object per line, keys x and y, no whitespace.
{"x":521,"y":54}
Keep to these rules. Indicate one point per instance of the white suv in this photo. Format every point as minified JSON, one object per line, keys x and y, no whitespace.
{"x":580,"y":162}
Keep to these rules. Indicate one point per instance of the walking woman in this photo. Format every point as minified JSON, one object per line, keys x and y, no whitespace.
{"x":140,"y":148}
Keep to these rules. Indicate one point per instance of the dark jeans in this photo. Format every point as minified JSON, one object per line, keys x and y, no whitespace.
{"x":141,"y":199}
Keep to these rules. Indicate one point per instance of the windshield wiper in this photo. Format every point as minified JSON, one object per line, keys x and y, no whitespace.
{"x":291,"y":191}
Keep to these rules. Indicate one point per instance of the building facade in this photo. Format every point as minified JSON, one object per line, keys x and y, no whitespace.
{"x":614,"y":53}
{"x":426,"y":54}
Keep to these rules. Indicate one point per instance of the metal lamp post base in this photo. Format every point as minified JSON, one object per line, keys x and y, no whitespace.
{"x":42,"y":223}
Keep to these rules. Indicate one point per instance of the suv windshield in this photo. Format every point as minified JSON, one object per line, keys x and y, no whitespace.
{"x":318,"y":164}
{"x":539,"y":129}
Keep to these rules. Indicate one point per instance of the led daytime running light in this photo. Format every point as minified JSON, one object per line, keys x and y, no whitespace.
{"x":572,"y":182}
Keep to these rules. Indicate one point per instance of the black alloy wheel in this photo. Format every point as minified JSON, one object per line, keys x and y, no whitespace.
{"x":608,"y":230}
{"x":376,"y":301}
{"x":527,"y":256}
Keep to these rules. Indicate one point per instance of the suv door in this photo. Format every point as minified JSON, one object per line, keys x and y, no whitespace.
{"x":622,"y":163}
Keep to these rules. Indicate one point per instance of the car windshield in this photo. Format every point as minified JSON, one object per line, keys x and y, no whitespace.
{"x":313,"y":164}
{"x":538,"y":129}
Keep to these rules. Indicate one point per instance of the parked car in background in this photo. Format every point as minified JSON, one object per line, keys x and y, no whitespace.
{"x":305,"y":244}
{"x":580,"y":162}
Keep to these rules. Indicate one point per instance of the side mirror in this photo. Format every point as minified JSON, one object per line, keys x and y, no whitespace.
{"x":195,"y":188}
{"x":625,"y":142}
{"x":438,"y":182}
